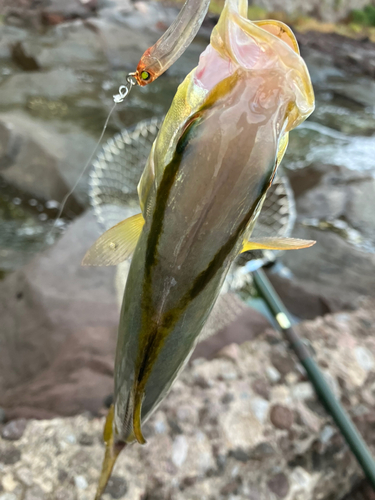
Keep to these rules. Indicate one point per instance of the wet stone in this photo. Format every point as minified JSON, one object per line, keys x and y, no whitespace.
{"x":279,"y":485}
{"x":10,"y":455}
{"x":281,"y":417}
{"x":117,"y":487}
{"x":14,"y":430}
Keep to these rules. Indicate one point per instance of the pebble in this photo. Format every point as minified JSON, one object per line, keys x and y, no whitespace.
{"x":281,"y":417}
{"x":80,"y":482}
{"x":10,"y":455}
{"x":179,"y":450}
{"x":117,"y":487}
{"x":14,"y":430}
{"x":272,"y":374}
{"x":364,"y":358}
{"x":279,"y":485}
{"x":303,"y":391}
{"x":8,"y":496}
{"x":86,"y":439}
{"x":260,"y":409}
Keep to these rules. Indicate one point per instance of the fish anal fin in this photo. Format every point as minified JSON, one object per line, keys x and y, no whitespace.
{"x":276,"y":244}
{"x":137,"y":413}
{"x":115,"y":245}
{"x":112,"y":451}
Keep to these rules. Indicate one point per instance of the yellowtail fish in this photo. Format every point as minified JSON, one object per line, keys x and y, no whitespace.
{"x":201,"y":192}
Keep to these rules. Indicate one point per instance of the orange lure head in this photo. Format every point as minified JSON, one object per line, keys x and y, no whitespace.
{"x":144,"y":74}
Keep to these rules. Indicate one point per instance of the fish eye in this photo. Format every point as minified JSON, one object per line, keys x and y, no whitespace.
{"x":145,"y":75}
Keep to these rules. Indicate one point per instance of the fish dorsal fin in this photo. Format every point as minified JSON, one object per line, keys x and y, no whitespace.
{"x":276,"y":244}
{"x":115,"y":245}
{"x":281,"y":30}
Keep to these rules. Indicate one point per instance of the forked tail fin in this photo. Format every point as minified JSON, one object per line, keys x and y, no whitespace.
{"x":112,"y":451}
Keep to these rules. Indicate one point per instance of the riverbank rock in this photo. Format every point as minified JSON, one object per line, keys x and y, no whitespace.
{"x":243,"y":426}
{"x":52,"y":298}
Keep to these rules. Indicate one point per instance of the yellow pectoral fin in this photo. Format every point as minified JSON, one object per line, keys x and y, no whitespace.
{"x":115,"y":245}
{"x":276,"y":244}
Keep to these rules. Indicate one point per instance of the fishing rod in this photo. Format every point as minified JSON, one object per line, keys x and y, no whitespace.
{"x":330,"y":402}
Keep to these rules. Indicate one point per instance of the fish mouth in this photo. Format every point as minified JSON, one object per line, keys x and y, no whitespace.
{"x":240,"y":44}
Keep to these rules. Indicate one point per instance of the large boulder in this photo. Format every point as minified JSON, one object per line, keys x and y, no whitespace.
{"x":246,"y":424}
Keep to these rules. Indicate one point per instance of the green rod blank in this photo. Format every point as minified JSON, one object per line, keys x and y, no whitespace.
{"x":332,"y":405}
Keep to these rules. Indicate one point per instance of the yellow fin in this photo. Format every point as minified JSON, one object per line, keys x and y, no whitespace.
{"x":276,"y":244}
{"x":112,"y":451}
{"x":115,"y":245}
{"x":137,"y":428}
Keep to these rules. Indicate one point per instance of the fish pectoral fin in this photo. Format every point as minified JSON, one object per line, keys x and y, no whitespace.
{"x":112,"y":451}
{"x":115,"y":245}
{"x":137,"y":413}
{"x":276,"y":244}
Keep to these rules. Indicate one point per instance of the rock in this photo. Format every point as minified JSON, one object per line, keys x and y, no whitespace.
{"x":2,"y":416}
{"x":69,"y":316}
{"x":341,"y":49}
{"x":221,"y":448}
{"x":46,"y":161}
{"x":14,"y":430}
{"x":117,"y":487}
{"x":281,"y":417}
{"x":240,"y":323}
{"x":279,"y":485}
{"x":9,"y":455}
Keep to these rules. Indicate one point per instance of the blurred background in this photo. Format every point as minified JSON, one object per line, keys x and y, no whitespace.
{"x":242,"y":421}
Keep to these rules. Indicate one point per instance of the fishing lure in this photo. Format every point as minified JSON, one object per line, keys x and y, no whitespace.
{"x":200,"y":194}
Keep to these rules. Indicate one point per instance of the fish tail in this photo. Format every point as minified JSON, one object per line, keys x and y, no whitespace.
{"x":112,"y":451}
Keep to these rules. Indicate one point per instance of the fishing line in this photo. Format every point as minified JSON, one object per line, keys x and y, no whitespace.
{"x":124,"y":91}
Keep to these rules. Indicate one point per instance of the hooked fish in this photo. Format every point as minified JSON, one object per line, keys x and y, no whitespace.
{"x":200,"y":194}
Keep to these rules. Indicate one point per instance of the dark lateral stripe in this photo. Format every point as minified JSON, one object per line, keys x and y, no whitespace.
{"x":153,"y":335}
{"x":206,"y":276}
{"x":165,"y":187}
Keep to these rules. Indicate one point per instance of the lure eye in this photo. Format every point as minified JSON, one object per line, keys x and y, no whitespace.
{"x":145,"y":75}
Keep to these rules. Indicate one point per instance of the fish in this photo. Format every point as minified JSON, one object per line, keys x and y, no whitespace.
{"x":200,"y":195}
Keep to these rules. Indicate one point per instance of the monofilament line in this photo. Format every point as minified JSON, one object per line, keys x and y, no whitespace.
{"x":118,"y":98}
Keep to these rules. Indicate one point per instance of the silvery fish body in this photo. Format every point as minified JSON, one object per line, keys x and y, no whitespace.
{"x":202,"y":189}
